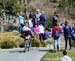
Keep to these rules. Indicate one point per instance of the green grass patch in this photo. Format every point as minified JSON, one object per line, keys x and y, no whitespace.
{"x":51,"y":56}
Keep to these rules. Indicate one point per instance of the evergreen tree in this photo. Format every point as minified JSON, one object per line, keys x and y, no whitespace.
{"x":11,"y":7}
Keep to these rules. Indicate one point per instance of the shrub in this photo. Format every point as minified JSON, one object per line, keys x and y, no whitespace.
{"x":7,"y":44}
{"x":43,"y":44}
{"x":10,"y":40}
{"x":20,"y":43}
{"x":36,"y":43}
{"x":49,"y":42}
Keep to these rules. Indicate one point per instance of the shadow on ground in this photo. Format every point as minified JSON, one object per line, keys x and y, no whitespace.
{"x":17,"y":52}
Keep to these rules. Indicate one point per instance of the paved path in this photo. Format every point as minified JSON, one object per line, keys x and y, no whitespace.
{"x":15,"y":55}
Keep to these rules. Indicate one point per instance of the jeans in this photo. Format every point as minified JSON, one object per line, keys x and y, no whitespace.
{"x":27,"y":44}
{"x":57,"y":44}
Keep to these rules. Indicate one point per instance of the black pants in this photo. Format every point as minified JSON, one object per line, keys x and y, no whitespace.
{"x":66,"y":42}
{"x":41,"y":37}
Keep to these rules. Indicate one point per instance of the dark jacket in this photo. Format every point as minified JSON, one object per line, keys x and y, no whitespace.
{"x":67,"y":31}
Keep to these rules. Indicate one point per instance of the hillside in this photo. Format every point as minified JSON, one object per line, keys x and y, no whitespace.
{"x":48,"y":7}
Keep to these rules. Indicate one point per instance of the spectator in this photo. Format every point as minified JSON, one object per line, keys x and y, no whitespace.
{"x":21,"y":22}
{"x":38,"y":14}
{"x":36,"y":31}
{"x":56,"y":31}
{"x":65,"y":57}
{"x":21,"y":19}
{"x":33,"y":16}
{"x":55,"y":18}
{"x":67,"y":34}
{"x":62,"y":26}
{"x":43,"y":18}
{"x":30,"y":24}
{"x":41,"y":32}
{"x":73,"y":32}
{"x":46,"y":34}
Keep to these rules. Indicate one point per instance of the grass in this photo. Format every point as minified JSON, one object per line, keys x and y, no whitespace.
{"x":51,"y":56}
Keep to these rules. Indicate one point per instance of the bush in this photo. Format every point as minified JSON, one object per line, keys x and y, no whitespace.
{"x":43,"y":44}
{"x":10,"y":40}
{"x":49,"y":42}
{"x":20,"y":43}
{"x":36,"y":43}
{"x":7,"y":44}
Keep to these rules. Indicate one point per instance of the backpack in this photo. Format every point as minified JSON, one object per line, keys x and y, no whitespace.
{"x":57,"y":34}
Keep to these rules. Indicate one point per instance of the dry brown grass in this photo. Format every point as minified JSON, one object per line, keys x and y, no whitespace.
{"x":49,"y":8}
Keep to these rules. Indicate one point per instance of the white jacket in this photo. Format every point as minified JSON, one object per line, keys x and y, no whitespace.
{"x":41,"y":29}
{"x":65,"y":58}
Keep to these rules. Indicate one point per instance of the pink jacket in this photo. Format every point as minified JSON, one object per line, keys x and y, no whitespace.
{"x":36,"y":30}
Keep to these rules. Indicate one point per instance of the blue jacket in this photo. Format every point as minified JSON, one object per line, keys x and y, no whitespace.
{"x":73,"y":29}
{"x":21,"y":21}
{"x":46,"y":35}
{"x":67,"y":31}
{"x":42,"y":18}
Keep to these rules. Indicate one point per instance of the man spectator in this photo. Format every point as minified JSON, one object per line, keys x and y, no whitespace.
{"x":56,"y":31}
{"x":21,"y":19}
{"x":65,"y":57}
{"x":21,"y":22}
{"x":38,"y":14}
{"x":55,"y":18}
{"x":43,"y":18}
{"x":73,"y":32}
{"x":67,"y":34}
{"x":33,"y":16}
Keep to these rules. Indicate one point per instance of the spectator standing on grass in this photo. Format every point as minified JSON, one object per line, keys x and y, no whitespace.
{"x":67,"y":34}
{"x":65,"y":57}
{"x":73,"y":32}
{"x":56,"y":31}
